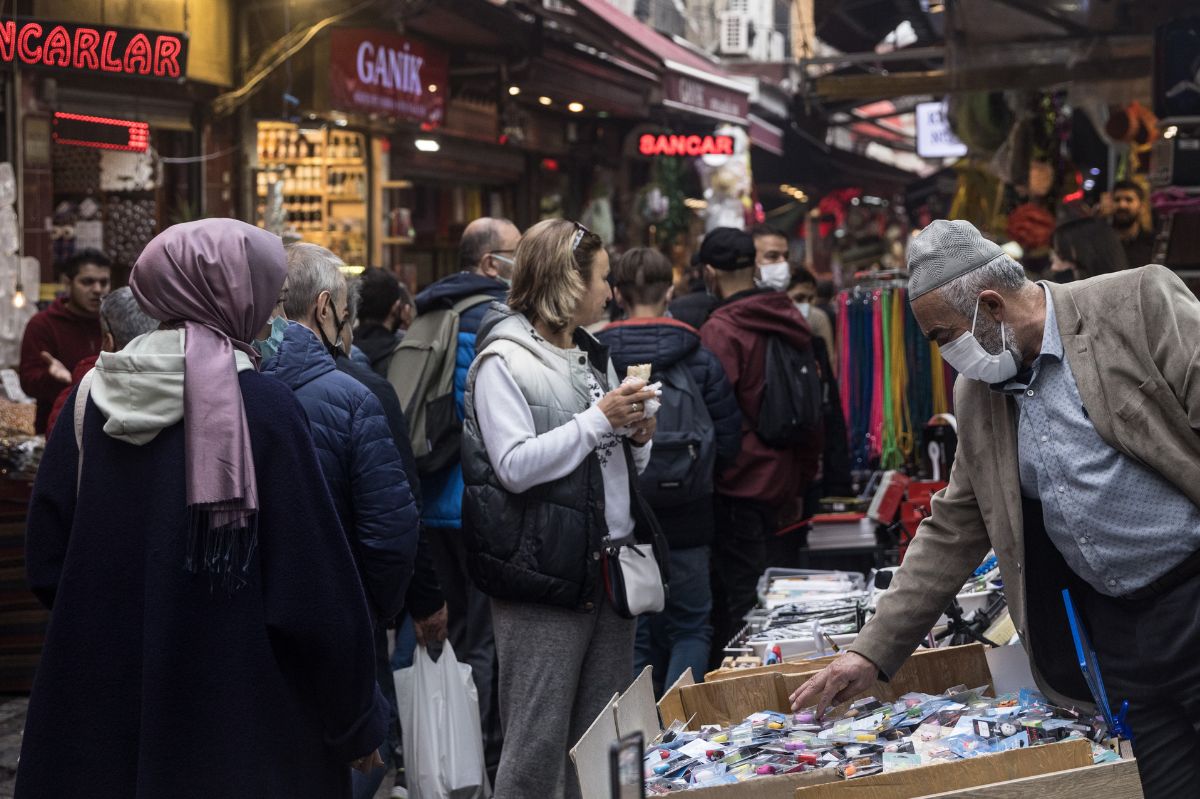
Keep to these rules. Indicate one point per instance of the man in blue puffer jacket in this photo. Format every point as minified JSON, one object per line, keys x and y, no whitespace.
{"x":354,"y":445}
{"x":681,"y":636}
{"x":486,"y":259}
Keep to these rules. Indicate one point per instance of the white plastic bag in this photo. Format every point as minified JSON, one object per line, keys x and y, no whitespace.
{"x":443,"y":740}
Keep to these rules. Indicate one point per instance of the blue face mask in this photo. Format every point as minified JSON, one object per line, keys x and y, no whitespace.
{"x":270,"y":345}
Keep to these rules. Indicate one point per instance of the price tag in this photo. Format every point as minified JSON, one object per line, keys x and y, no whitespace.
{"x":12,"y":386}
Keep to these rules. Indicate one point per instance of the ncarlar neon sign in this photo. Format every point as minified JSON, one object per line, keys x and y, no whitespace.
{"x":684,"y":145}
{"x":99,"y":49}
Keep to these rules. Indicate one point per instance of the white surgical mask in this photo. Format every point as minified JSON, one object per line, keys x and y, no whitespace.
{"x":774,"y":276}
{"x":970,"y":359}
{"x":805,"y":308}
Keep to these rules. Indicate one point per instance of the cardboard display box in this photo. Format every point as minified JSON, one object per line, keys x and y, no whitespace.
{"x":731,"y":698}
{"x":958,"y":774}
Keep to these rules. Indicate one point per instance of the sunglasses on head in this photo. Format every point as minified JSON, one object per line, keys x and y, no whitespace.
{"x":580,"y":232}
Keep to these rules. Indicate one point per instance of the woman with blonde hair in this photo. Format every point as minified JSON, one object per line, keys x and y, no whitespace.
{"x":552,"y":444}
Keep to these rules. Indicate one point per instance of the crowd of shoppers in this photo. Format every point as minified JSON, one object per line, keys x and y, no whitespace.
{"x":248,"y":538}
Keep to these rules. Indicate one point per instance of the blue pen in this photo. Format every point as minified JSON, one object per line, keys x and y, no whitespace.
{"x":1090,"y":666}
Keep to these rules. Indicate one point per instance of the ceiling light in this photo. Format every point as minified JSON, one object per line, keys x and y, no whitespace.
{"x":427,"y":145}
{"x":514,"y":90}
{"x":575,"y":108}
{"x":1170,"y":132}
{"x":544,"y":100}
{"x":433,"y":88}
{"x":18,"y":298}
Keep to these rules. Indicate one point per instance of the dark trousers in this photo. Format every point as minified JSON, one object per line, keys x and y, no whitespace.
{"x":679,"y":638}
{"x":1149,"y":653}
{"x":739,"y":559}
{"x":470,"y":632}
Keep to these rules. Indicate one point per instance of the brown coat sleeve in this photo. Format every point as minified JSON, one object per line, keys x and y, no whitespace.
{"x":949,"y":545}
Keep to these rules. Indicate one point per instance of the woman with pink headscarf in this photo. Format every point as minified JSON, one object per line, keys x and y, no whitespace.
{"x":210,"y":637}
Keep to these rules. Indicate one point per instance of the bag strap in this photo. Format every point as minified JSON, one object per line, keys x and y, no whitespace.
{"x":467,"y":303}
{"x":81,"y":399}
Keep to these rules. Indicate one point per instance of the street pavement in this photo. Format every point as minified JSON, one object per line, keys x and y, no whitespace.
{"x":12,"y":722}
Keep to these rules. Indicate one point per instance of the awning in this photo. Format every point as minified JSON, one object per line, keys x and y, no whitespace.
{"x":766,"y":136}
{"x":691,"y":82}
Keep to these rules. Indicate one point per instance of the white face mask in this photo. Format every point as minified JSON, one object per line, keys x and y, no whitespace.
{"x":805,"y":308}
{"x":970,"y":359}
{"x":774,"y":276}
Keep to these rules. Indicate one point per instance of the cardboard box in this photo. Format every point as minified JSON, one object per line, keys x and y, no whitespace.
{"x":732,"y":697}
{"x":958,"y":774}
{"x":1109,"y":780}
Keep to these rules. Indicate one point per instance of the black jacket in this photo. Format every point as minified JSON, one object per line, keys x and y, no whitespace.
{"x":663,"y":343}
{"x":377,"y":343}
{"x":695,"y":308}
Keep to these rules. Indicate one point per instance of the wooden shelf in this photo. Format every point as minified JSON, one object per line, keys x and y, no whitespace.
{"x":397,"y":240}
{"x":262,"y":193}
{"x":396,"y":184}
{"x":345,"y":198}
{"x":342,"y":163}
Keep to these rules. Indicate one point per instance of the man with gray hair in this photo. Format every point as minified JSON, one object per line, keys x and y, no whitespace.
{"x":121,"y":321}
{"x":1079,"y":463}
{"x":354,"y":444}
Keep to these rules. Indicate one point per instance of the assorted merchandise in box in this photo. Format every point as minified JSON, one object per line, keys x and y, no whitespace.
{"x":870,"y":737}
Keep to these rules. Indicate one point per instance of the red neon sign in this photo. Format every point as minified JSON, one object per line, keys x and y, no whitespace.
{"x":683,"y":145}
{"x":101,"y":132}
{"x":100,"y":49}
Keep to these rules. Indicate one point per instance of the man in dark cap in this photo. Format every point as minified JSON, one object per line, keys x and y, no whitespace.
{"x":763,"y":479}
{"x":1079,"y":463}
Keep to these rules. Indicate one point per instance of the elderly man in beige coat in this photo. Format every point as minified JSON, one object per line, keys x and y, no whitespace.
{"x":1079,"y":463}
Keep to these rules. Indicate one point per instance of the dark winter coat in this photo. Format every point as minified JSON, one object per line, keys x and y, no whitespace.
{"x":694,"y":309}
{"x":67,"y":336}
{"x":444,"y":490}
{"x":154,"y":681}
{"x":424,"y":592}
{"x":377,"y":343}
{"x":662,"y":343}
{"x":737,"y":332}
{"x":360,"y":463}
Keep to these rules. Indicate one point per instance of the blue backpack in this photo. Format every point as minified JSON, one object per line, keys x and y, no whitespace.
{"x":685,"y":446}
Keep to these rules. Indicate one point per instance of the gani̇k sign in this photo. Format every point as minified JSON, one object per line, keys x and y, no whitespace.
{"x":376,"y":72}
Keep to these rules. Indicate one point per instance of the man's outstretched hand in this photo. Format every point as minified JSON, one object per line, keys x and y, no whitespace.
{"x":56,"y":369}
{"x":844,"y":679}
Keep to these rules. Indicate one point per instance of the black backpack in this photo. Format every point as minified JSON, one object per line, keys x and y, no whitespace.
{"x":685,"y":445}
{"x":790,"y":413}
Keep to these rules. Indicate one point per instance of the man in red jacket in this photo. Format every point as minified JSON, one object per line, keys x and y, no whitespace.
{"x":68,"y":331}
{"x":762,"y":480}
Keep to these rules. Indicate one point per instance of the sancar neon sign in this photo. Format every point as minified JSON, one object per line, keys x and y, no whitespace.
{"x":99,"y":49}
{"x":673,"y":144}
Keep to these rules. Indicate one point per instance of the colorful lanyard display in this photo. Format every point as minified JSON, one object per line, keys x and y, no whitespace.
{"x":893,"y":379}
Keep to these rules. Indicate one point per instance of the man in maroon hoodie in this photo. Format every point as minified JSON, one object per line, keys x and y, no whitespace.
{"x":762,"y":480}
{"x":66,"y":332}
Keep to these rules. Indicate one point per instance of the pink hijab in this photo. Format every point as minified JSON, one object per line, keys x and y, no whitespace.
{"x":219,"y":280}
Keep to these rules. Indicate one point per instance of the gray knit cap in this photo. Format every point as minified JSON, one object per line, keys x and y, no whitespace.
{"x":944,"y":251}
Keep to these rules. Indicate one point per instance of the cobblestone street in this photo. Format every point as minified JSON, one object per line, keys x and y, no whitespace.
{"x":12,"y":721}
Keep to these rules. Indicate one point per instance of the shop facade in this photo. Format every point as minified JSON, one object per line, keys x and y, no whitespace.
{"x":107,"y":128}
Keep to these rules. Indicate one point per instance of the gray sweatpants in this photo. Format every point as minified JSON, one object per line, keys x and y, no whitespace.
{"x":558,"y":668}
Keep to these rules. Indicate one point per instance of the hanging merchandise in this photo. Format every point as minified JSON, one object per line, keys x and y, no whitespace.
{"x":729,"y":183}
{"x":891,"y":375}
{"x":1031,"y":226}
